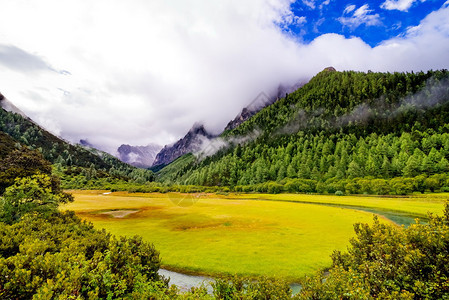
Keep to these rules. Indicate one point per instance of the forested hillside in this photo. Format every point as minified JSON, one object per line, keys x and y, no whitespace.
{"x":352,"y":132}
{"x":72,"y":160}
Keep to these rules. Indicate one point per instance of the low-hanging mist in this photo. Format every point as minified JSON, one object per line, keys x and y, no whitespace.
{"x":434,"y":94}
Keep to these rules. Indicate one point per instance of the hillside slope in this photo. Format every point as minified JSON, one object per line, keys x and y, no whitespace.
{"x":339,"y":129}
{"x":25,"y":131}
{"x":261,"y":101}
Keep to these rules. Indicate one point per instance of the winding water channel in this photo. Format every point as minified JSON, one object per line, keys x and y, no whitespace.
{"x":185,"y":282}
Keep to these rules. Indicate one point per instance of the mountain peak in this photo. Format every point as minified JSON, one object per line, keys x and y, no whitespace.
{"x":9,"y":107}
{"x":191,"y":142}
{"x":138,"y":156}
{"x":261,"y":101}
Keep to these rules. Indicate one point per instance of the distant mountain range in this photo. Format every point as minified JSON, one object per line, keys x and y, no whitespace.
{"x":138,"y":156}
{"x":198,"y":137}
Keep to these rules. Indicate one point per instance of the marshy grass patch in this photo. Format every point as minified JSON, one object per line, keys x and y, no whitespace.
{"x":283,"y":235}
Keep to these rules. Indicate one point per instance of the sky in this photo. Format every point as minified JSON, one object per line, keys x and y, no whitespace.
{"x":138,"y":71}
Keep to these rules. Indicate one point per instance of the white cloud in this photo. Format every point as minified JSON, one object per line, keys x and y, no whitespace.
{"x":423,"y":48}
{"x":17,"y":59}
{"x":360,"y":16}
{"x":300,"y":20}
{"x":349,"y":8}
{"x":402,"y":5}
{"x":146,"y":71}
{"x":324,"y":3}
{"x":290,"y":19}
{"x":309,"y":3}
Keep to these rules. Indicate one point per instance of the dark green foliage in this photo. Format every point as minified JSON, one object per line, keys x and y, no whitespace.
{"x":387,"y":262}
{"x":35,"y":194}
{"x":22,"y":163}
{"x":242,"y":288}
{"x":27,"y":185}
{"x":7,"y":145}
{"x":62,"y":153}
{"x":372,"y":101}
{"x":310,"y":163}
{"x":63,"y":257}
{"x":338,"y":129}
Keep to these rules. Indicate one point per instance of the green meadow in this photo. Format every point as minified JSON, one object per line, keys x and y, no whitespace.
{"x":284,"y":235}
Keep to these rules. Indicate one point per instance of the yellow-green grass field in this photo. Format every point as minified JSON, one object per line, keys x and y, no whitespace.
{"x":419,"y":205}
{"x":237,"y":234}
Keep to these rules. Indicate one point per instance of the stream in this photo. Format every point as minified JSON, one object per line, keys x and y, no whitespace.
{"x":185,"y":282}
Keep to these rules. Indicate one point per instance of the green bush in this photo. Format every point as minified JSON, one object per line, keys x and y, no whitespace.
{"x":244,"y":288}
{"x":36,"y":194}
{"x":274,"y":188}
{"x":388,"y":262}
{"x":445,"y":189}
{"x":63,"y":257}
{"x":339,"y":193}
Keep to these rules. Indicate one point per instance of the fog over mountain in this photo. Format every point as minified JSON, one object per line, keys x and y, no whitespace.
{"x":138,"y":156}
{"x":143,"y":72}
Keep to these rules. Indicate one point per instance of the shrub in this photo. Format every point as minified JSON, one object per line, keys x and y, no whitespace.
{"x":339,"y":193}
{"x":388,"y":262}
{"x":36,"y":194}
{"x":63,"y":257}
{"x":445,"y":189}
{"x":244,"y":288}
{"x":274,"y":188}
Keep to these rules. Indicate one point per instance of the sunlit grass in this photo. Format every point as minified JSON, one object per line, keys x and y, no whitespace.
{"x":418,"y":205}
{"x":216,"y":234}
{"x":228,"y":236}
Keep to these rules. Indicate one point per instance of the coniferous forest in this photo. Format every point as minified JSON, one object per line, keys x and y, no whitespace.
{"x":353,"y":132}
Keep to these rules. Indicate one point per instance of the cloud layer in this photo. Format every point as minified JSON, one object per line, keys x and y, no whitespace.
{"x":146,"y":71}
{"x":402,"y":5}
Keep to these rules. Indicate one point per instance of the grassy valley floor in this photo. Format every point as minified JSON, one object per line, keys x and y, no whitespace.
{"x":286,"y":235}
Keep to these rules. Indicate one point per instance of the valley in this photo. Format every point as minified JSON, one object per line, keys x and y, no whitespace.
{"x":284,"y":236}
{"x":321,"y":188}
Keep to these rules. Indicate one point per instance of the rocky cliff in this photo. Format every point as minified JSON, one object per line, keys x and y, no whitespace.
{"x":193,"y":141}
{"x":138,"y":156}
{"x":262,"y":100}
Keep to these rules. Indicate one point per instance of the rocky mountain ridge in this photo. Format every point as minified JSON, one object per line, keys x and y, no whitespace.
{"x":261,"y":101}
{"x":138,"y":156}
{"x":193,"y":141}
